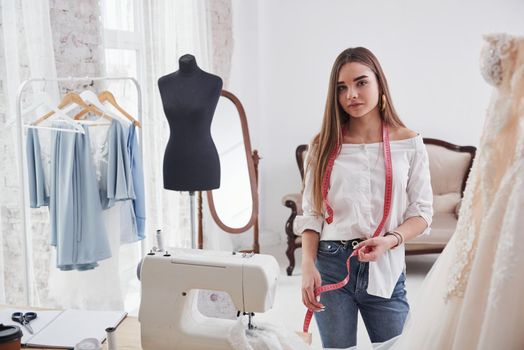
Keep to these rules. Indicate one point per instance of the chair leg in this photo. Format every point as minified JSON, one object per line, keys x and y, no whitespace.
{"x":291,"y":246}
{"x":290,"y":252}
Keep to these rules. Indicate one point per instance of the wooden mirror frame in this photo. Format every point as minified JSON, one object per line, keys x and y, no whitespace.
{"x":252,"y":160}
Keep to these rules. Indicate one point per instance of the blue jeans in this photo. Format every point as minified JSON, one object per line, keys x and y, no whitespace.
{"x":384,"y":318}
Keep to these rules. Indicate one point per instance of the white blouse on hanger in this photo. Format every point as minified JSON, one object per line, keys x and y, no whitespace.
{"x":356,"y":194}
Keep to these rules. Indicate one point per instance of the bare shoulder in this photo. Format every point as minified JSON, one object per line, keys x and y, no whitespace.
{"x":402,"y":133}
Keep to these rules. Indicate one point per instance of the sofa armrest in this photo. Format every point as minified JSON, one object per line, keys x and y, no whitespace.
{"x":296,"y":199}
{"x":457,"y":209}
{"x":294,"y":202}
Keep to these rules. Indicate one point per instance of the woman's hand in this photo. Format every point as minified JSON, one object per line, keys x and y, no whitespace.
{"x":310,"y":281}
{"x":373,"y":248}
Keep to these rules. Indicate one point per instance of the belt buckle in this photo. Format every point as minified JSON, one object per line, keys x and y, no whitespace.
{"x":354,"y":243}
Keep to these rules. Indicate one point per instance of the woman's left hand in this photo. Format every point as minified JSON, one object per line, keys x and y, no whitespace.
{"x":373,"y":248}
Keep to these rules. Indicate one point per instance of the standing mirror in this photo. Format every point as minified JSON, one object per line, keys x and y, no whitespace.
{"x":234,"y":206}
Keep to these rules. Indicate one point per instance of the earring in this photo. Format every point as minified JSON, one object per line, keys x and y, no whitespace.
{"x":383,"y":104}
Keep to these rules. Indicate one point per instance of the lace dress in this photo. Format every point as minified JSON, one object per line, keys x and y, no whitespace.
{"x":473,"y":297}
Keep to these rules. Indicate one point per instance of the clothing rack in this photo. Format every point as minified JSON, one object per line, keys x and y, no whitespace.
{"x":28,"y":258}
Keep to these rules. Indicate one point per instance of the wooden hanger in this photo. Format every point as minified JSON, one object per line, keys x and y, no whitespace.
{"x":69,"y":98}
{"x":108,"y":96}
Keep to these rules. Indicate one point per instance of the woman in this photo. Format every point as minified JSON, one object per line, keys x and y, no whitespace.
{"x":344,"y":205}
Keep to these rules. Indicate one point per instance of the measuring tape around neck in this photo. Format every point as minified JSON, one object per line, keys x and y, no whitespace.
{"x":329,"y":211}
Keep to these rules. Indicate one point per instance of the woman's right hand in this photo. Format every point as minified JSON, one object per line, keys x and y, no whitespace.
{"x":311,"y":280}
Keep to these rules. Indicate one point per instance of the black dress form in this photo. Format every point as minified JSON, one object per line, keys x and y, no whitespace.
{"x":189,"y":97}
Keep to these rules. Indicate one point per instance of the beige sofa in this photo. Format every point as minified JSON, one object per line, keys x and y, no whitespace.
{"x":449,"y":166}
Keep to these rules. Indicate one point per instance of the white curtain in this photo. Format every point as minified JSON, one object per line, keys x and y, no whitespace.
{"x":2,"y":278}
{"x":27,"y":52}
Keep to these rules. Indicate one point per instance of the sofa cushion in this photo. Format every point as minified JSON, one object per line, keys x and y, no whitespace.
{"x":446,"y":203}
{"x":447,"y":169}
{"x":442,"y":228}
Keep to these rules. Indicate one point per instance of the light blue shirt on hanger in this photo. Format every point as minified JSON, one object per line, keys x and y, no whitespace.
{"x":137,"y":172}
{"x":38,"y":195}
{"x":123,"y":181}
{"x":77,"y":227}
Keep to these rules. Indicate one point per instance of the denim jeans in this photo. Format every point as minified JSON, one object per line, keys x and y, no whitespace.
{"x":384,"y":318}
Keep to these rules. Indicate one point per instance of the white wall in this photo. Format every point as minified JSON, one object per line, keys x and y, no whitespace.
{"x":429,"y":50}
{"x":244,"y":83}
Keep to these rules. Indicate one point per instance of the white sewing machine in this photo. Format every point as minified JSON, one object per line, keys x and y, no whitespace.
{"x":168,"y":315}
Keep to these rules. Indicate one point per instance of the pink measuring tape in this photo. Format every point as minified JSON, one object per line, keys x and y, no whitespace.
{"x":329,"y":211}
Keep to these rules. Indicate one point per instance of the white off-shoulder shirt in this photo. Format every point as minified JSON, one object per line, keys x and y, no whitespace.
{"x":356,"y":194}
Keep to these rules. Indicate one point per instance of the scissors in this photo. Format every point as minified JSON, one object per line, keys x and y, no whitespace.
{"x":24,"y":319}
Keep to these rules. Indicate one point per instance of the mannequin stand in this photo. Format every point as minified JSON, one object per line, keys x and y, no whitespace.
{"x":200,"y":240}
{"x":198,"y":243}
{"x":192,"y":217}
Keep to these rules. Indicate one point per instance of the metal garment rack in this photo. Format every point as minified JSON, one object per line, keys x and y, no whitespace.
{"x":27,"y":252}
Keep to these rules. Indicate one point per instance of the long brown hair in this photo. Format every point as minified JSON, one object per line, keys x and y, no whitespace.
{"x":330,"y":135}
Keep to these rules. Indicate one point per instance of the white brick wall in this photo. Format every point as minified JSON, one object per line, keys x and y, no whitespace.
{"x":221,"y":22}
{"x":9,"y":181}
{"x":77,"y":40}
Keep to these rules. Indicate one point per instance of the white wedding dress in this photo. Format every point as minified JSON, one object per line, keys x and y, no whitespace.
{"x":473,"y":297}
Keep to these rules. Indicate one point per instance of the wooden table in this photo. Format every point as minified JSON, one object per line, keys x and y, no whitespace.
{"x":128,"y":335}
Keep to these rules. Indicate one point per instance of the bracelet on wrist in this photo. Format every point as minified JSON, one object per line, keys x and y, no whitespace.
{"x":396,"y":237}
{"x":401,"y":236}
